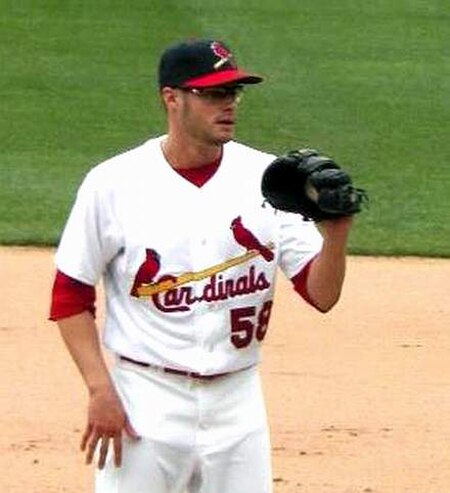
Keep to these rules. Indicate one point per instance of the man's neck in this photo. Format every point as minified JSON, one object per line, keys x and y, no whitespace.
{"x":182,"y":155}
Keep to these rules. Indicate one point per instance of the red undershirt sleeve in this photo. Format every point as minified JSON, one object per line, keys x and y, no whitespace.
{"x":70,"y":297}
{"x":299,"y":283}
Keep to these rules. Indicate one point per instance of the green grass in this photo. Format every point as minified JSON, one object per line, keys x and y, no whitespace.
{"x":366,"y":82}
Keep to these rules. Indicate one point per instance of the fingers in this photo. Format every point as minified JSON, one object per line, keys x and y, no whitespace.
{"x":101,"y":442}
{"x":103,"y":452}
{"x":117,"y":445}
{"x":93,"y":440}
{"x":84,"y":439}
{"x":97,"y":438}
{"x":91,"y":446}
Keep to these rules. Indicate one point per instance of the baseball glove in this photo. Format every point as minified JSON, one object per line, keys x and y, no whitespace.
{"x":312,"y":185}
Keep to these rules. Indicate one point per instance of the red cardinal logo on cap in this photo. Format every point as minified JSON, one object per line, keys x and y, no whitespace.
{"x":221,"y":52}
{"x":248,"y":240}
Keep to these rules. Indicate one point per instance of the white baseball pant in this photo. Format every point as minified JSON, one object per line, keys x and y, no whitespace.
{"x":197,"y":436}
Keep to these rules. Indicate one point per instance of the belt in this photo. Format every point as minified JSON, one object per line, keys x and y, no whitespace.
{"x":173,"y":371}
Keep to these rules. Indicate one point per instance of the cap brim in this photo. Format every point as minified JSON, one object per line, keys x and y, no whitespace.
{"x":223,"y":77}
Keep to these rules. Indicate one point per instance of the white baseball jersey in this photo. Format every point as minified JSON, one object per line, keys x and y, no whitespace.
{"x":188,"y":272}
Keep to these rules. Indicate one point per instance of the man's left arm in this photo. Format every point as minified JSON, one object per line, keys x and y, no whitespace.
{"x":327,"y":271}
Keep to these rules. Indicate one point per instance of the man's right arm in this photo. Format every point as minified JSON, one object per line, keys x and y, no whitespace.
{"x":106,"y":416}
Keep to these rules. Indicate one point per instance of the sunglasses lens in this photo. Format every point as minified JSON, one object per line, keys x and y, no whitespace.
{"x":221,"y":93}
{"x":218,"y":93}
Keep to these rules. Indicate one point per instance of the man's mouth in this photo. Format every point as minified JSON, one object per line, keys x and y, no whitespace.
{"x":226,"y":121}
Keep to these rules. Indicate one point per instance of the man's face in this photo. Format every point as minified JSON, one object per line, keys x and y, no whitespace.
{"x":209,"y":115}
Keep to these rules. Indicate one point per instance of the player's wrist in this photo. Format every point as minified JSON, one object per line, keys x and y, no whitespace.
{"x":101,"y":387}
{"x":335,"y":229}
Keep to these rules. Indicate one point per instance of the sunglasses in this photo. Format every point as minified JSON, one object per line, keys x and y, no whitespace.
{"x":216,"y":94}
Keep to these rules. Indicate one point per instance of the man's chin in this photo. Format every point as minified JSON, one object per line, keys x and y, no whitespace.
{"x":225,"y":140}
{"x":225,"y":137}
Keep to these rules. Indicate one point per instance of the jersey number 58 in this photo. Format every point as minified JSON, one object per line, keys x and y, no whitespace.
{"x":247,"y":323}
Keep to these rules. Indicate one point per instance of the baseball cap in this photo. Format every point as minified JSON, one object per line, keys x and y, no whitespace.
{"x":201,"y":63}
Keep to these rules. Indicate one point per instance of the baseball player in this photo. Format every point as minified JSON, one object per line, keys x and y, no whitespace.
{"x":188,"y":251}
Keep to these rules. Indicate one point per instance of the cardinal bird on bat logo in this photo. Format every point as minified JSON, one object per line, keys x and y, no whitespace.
{"x":147,"y":271}
{"x":221,"y":52}
{"x":248,"y":240}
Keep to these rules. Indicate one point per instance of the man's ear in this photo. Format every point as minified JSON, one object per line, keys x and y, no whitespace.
{"x":169,"y":96}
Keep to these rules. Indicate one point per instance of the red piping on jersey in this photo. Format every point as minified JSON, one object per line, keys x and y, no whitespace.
{"x":70,"y":297}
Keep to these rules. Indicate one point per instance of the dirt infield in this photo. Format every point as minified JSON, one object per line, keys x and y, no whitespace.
{"x":358,"y":399}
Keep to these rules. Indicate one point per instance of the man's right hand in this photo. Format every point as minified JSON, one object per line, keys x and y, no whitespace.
{"x":107,"y":422}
